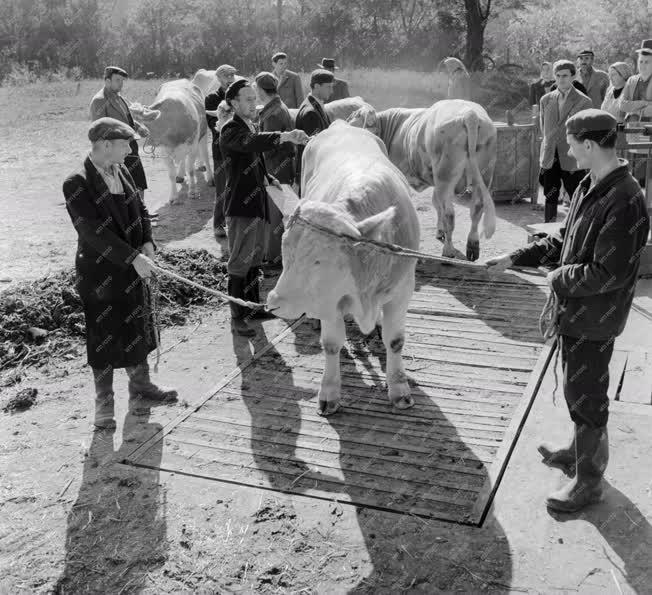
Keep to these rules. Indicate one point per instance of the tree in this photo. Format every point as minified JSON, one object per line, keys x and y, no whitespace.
{"x":476,"y":21}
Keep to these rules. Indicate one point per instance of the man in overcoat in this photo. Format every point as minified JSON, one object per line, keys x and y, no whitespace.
{"x":595,"y":81}
{"x":597,"y":255}
{"x":246,"y":199}
{"x":340,"y":86}
{"x":114,"y":252}
{"x":289,"y":82}
{"x":557,"y":165}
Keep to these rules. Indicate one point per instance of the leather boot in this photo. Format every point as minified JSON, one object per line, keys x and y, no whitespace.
{"x":550,"y":213}
{"x":252,"y":294}
{"x":140,"y":385}
{"x":236,"y":288}
{"x":559,"y":455}
{"x":591,"y":458}
{"x":104,"y":405}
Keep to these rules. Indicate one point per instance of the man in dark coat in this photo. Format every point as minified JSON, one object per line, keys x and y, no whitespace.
{"x":597,"y":252}
{"x":311,"y":117}
{"x":114,"y":254}
{"x":340,"y":86}
{"x":225,"y":75}
{"x":246,"y":198}
{"x":289,"y":82}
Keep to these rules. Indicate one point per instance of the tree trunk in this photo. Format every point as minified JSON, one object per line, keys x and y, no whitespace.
{"x":279,"y":21}
{"x":476,"y":21}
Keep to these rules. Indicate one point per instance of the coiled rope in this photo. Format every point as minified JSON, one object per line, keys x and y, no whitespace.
{"x":549,"y":328}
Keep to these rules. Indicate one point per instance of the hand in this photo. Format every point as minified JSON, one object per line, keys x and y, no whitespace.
{"x":144,"y":266}
{"x":274,"y":182}
{"x":499,"y":264}
{"x":296,"y":136}
{"x":148,"y":250}
{"x":143,"y":131}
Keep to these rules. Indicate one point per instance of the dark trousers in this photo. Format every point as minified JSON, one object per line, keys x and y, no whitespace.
{"x":552,"y":179}
{"x":219,"y":178}
{"x":585,"y":366}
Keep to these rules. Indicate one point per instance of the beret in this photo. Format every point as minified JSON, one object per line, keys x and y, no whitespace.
{"x":320,"y":76}
{"x":111,"y":70}
{"x":591,"y":124}
{"x":110,"y":129}
{"x":267,"y":81}
{"x":225,"y":69}
{"x":234,"y":88}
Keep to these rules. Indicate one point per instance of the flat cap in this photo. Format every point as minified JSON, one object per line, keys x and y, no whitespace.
{"x":225,"y":70}
{"x":109,"y":71}
{"x":110,"y":129}
{"x":585,"y":53}
{"x":234,"y":88}
{"x":591,"y":124}
{"x":267,"y":81}
{"x":321,"y":76}
{"x":279,"y":56}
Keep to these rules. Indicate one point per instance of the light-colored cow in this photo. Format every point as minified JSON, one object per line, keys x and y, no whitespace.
{"x":433,"y":147}
{"x":205,"y":80}
{"x":177,"y":124}
{"x":350,"y":188}
{"x":340,"y":109}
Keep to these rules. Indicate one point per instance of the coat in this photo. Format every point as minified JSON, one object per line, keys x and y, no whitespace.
{"x":110,"y":232}
{"x":280,"y":162}
{"x":245,"y":168}
{"x":538,"y":89}
{"x":628,"y":102}
{"x":113,"y":105}
{"x":611,"y":104}
{"x":596,"y":86}
{"x":290,"y":89}
{"x":597,"y":255}
{"x":311,"y":118}
{"x":340,"y":90}
{"x":553,"y":127}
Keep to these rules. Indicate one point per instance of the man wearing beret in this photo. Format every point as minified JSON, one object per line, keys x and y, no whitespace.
{"x":597,"y":255}
{"x":311,"y":117}
{"x":108,"y":102}
{"x":225,"y":75}
{"x":289,"y":83}
{"x":596,"y":82}
{"x":114,"y":252}
{"x":246,"y":198}
{"x":340,"y":86}
{"x":557,"y":164}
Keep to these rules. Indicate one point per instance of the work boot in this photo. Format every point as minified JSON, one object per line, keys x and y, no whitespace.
{"x":236,"y":288}
{"x":104,"y":405}
{"x":252,"y":294}
{"x":140,"y":385}
{"x":550,"y":213}
{"x":591,"y":458}
{"x":219,"y":231}
{"x":558,"y":456}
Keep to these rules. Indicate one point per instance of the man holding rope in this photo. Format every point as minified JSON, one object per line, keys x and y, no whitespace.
{"x":597,"y":254}
{"x":114,"y":253}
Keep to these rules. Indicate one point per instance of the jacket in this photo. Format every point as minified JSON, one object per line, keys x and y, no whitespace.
{"x":611,"y":104}
{"x":211,"y":102}
{"x":596,"y":86}
{"x":280,"y":162}
{"x":340,"y":90}
{"x":553,"y":127}
{"x":627,"y":102}
{"x":112,"y":105}
{"x":290,"y":89}
{"x":311,"y":118}
{"x":245,"y":168}
{"x":538,"y":89}
{"x":597,"y":253}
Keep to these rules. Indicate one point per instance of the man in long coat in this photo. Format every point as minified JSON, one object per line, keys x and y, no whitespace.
{"x":340,"y":86}
{"x":114,"y":252}
{"x":596,"y":82}
{"x":289,"y":83}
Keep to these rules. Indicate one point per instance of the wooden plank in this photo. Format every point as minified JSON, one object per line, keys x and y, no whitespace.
{"x":637,"y":382}
{"x":616,"y":371}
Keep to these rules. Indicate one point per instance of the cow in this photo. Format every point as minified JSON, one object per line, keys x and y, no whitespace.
{"x":433,"y":147}
{"x":205,"y":80}
{"x":340,"y":109}
{"x":177,"y":123}
{"x":351,"y":188}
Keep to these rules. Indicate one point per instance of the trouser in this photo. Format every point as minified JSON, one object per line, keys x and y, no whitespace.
{"x":273,"y":233}
{"x":585,"y":366}
{"x":246,"y":244}
{"x":552,"y":181}
{"x":219,"y":178}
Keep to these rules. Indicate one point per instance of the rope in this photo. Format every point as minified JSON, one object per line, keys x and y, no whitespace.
{"x":549,"y":328}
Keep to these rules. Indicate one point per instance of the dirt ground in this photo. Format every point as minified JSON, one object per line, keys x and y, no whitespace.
{"x":73,"y":520}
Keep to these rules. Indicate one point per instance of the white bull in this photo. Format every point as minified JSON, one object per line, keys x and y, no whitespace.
{"x":327,"y":277}
{"x":177,"y":124}
{"x":434,"y":147}
{"x":339,"y":109}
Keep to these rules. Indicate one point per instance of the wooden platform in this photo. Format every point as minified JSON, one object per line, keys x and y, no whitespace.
{"x":475,"y":360}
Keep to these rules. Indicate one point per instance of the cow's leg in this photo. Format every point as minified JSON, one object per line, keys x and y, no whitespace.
{"x":174,"y":192}
{"x":203,"y":154}
{"x":473,"y":239}
{"x":436,"y":202}
{"x":191,"y":157}
{"x":333,"y":335}
{"x":181,"y":169}
{"x":398,"y":389}
{"x":446,"y":175}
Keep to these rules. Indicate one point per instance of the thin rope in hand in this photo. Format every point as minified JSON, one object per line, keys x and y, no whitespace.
{"x":549,"y":328}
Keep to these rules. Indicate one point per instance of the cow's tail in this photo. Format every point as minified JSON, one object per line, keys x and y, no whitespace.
{"x":472,"y":123}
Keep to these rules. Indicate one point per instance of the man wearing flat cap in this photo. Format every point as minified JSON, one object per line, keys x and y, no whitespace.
{"x":596,"y":254}
{"x":225,"y":75}
{"x":340,"y":86}
{"x":312,"y":118}
{"x":290,"y":89}
{"x":108,"y":102}
{"x":114,"y":256}
{"x":246,"y":199}
{"x":596,"y":82}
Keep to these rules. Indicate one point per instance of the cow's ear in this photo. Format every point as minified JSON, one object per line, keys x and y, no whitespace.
{"x":150,"y":114}
{"x":376,"y":224}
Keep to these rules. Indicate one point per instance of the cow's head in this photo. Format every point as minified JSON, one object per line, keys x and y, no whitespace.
{"x":319,"y":276}
{"x":143,"y":113}
{"x":367,"y":118}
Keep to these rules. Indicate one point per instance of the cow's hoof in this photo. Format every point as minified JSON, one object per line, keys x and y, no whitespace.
{"x":179,"y":179}
{"x":441,"y":236}
{"x":327,"y":408}
{"x":201,"y":168}
{"x":473,"y":250}
{"x":211,"y":183}
{"x":403,"y":402}
{"x":194,"y":195}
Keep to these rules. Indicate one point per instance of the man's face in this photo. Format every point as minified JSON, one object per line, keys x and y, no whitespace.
{"x":580,"y":150}
{"x":245,"y":104}
{"x":117,"y":150}
{"x":564,"y":79}
{"x":225,"y":79}
{"x":645,"y":65}
{"x":116,"y":81}
{"x":281,"y":65}
{"x":585,"y":62}
{"x":323,"y":91}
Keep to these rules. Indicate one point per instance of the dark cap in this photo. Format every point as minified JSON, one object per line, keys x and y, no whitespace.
{"x":328,"y":64}
{"x":267,"y":81}
{"x":109,"y":71}
{"x":591,"y":124}
{"x":110,"y":129}
{"x":321,"y":76}
{"x":234,"y":89}
{"x":646,"y":47}
{"x":586,"y":53}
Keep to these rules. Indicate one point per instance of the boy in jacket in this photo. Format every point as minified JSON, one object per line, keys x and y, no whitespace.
{"x":597,"y":256}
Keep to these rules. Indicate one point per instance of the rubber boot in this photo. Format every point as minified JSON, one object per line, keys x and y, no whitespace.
{"x":236,"y":288}
{"x":591,"y":458}
{"x":140,"y":385}
{"x":550,"y":213}
{"x":559,"y":456}
{"x":252,"y":294}
{"x":104,"y":405}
